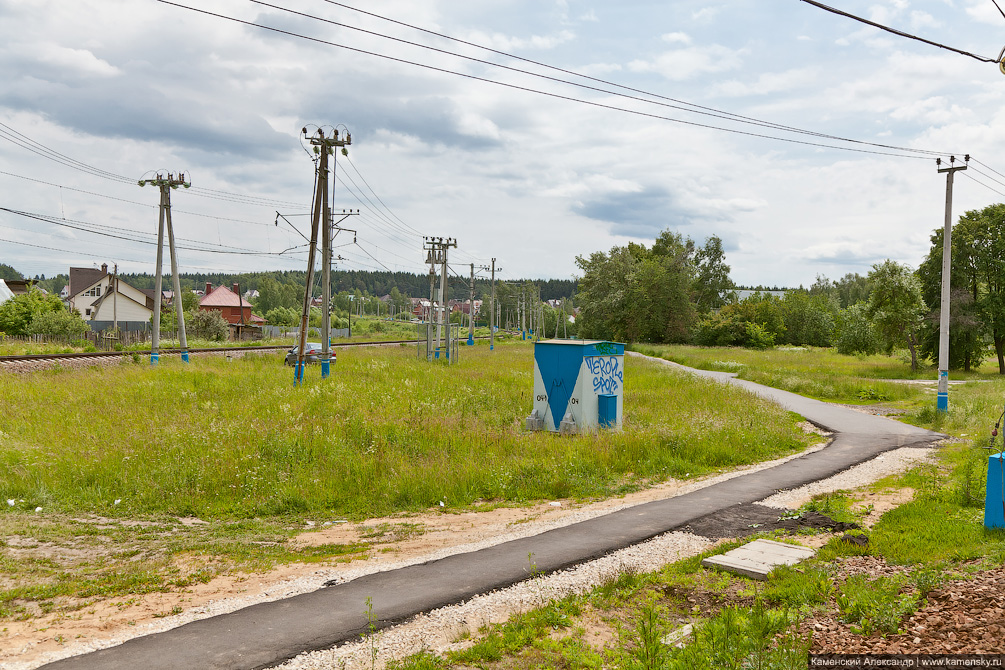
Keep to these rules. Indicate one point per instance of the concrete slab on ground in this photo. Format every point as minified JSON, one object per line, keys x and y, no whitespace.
{"x":758,"y":558}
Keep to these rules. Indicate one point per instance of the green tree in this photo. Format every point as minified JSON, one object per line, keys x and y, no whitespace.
{"x":855,"y":334}
{"x":967,"y":342}
{"x":7,"y":272}
{"x":981,"y":235}
{"x":896,"y":306}
{"x":638,"y":294}
{"x":712,"y":286}
{"x":16,"y":314}
{"x":809,"y":318}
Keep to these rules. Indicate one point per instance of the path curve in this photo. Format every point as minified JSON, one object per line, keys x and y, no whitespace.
{"x":269,"y":633}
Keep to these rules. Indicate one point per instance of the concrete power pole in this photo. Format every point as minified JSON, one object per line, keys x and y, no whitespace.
{"x":492,"y":309}
{"x":324,"y":147}
{"x":436,"y":248}
{"x":166,"y":183}
{"x":942,"y":401}
{"x":471,"y":308}
{"x":115,"y":300}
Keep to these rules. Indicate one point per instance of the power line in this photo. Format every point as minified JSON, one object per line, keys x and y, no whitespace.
{"x":82,"y":226}
{"x":990,"y":188}
{"x":132,"y":202}
{"x":11,"y":135}
{"x":560,"y":96}
{"x":901,"y":33}
{"x":694,"y":109}
{"x":356,"y":170}
{"x":688,"y":106}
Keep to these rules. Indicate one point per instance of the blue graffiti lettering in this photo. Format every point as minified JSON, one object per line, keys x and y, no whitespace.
{"x":607,"y":374}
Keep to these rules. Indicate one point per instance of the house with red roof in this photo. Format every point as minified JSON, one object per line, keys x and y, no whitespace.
{"x":235,"y":310}
{"x":233,"y":307}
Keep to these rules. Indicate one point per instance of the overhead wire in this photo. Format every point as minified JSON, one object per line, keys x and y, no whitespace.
{"x":95,"y":230}
{"x":558,"y":96}
{"x":707,"y":111}
{"x":901,"y":33}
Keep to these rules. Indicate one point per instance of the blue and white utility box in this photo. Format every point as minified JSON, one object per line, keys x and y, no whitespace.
{"x":578,"y":385}
{"x":994,"y":503}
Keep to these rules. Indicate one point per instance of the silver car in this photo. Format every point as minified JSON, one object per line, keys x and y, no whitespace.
{"x":312,"y":354}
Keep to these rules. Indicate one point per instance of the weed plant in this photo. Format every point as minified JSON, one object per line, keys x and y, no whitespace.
{"x":384,"y":433}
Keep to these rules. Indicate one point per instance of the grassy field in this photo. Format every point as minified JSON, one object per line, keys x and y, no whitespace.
{"x":938,"y":536}
{"x":235,"y":445}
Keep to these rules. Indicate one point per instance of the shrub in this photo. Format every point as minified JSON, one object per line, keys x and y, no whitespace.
{"x":61,"y":324}
{"x":207,"y":325}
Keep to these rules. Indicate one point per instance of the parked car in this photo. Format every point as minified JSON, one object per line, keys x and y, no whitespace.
{"x":312,"y":354}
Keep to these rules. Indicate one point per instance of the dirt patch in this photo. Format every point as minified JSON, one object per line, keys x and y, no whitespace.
{"x":744,"y":520}
{"x":959,"y":617}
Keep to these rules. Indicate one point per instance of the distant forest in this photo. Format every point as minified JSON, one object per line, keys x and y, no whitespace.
{"x":368,"y":283}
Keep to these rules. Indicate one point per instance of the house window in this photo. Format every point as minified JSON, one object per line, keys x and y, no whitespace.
{"x":87,"y":311}
{"x":94,"y":290}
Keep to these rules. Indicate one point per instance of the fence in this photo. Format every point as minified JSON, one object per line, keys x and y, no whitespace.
{"x":284,"y":331}
{"x":103,"y":341}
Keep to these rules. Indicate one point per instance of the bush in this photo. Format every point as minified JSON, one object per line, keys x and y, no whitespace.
{"x":207,"y":325}
{"x":60,"y":324}
{"x":17,"y":313}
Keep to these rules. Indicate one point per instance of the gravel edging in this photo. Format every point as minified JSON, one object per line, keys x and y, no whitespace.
{"x":439,"y":630}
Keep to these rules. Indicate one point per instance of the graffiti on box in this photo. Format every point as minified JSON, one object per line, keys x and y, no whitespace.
{"x":606,"y":371}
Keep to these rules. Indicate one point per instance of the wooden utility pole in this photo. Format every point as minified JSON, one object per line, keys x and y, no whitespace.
{"x":166,"y":183}
{"x":942,"y":399}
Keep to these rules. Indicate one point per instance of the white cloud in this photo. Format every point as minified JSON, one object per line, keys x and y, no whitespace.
{"x":768,"y":83}
{"x":705,"y":14}
{"x":676,"y":38}
{"x":682,"y":64}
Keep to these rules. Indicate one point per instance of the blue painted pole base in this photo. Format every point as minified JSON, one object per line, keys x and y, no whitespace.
{"x":154,"y":357}
{"x":325,"y":368}
{"x":471,"y":341}
{"x":994,"y":510}
{"x":491,"y":347}
{"x":523,"y":335}
{"x":298,"y":373}
{"x":942,"y":402}
{"x":184,"y":356}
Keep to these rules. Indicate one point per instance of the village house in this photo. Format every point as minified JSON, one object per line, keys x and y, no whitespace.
{"x":103,"y":300}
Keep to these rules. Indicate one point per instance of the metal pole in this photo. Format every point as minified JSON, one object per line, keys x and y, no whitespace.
{"x":942,"y":399}
{"x":155,"y":340}
{"x":175,"y":279}
{"x":115,"y":300}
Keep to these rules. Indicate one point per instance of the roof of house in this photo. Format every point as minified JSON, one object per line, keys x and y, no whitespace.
{"x":221,"y":296}
{"x":83,"y":278}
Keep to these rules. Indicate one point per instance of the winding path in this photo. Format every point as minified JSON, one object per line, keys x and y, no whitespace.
{"x":266,"y":634}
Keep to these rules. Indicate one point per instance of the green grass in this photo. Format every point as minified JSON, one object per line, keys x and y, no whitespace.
{"x":817,"y":373}
{"x":385,"y":433}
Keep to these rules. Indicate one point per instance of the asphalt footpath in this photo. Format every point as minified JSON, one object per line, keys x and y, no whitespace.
{"x":266,"y":634}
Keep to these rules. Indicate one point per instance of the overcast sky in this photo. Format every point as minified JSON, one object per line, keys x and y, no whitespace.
{"x":129,"y":86}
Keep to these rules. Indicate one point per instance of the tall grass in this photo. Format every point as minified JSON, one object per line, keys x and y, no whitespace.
{"x":385,"y":433}
{"x":818,"y":373}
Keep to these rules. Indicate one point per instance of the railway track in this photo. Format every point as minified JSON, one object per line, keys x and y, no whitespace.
{"x":96,"y":355}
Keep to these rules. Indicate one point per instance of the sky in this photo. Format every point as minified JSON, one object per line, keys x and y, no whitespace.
{"x":514,"y":162}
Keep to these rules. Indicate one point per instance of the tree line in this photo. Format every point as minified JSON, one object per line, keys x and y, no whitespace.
{"x":678,"y":292}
